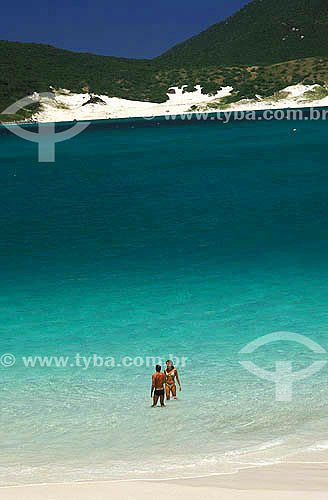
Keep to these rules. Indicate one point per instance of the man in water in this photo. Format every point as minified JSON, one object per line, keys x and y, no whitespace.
{"x":157,"y":386}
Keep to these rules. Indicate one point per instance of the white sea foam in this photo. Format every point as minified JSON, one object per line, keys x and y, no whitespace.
{"x":323,"y":445}
{"x":256,"y":448}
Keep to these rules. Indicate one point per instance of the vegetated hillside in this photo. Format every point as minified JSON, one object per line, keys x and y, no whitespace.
{"x":263,"y":32}
{"x":28,"y":67}
{"x":249,"y":81}
{"x":266,"y":46}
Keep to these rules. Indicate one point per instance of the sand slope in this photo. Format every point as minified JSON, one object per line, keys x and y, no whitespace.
{"x":70,"y":107}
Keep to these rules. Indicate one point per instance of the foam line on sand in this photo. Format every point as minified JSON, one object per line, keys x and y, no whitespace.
{"x":276,"y":482}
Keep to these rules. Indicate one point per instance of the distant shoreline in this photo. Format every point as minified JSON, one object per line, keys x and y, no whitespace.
{"x":67,"y":107}
{"x":209,"y":116}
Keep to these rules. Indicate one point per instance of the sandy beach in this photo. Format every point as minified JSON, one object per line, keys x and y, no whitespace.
{"x":67,"y":106}
{"x":279,"y":482}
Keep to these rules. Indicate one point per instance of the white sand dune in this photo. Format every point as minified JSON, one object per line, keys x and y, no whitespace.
{"x":68,"y":106}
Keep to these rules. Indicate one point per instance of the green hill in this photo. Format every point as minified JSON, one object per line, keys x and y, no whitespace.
{"x":262,"y":32}
{"x":28,"y":67}
{"x":261,"y":49}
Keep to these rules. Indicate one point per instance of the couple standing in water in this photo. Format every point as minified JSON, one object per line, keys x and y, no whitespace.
{"x":167,"y":378}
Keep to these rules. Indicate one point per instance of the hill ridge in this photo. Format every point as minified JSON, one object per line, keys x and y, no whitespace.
{"x":264,"y":47}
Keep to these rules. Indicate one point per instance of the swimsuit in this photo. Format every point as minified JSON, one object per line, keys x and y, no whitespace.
{"x":170,"y":384}
{"x":159,"y":392}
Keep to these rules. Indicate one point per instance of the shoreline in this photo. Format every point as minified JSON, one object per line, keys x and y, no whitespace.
{"x":301,"y":481}
{"x":210,"y":116}
{"x":67,"y":107}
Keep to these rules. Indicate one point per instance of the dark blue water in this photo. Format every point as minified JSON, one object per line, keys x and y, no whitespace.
{"x":157,"y":241}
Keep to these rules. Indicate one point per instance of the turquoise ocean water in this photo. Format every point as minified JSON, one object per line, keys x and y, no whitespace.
{"x":182,"y":239}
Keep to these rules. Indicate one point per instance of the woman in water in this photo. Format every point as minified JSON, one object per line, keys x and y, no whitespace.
{"x":171,"y":374}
